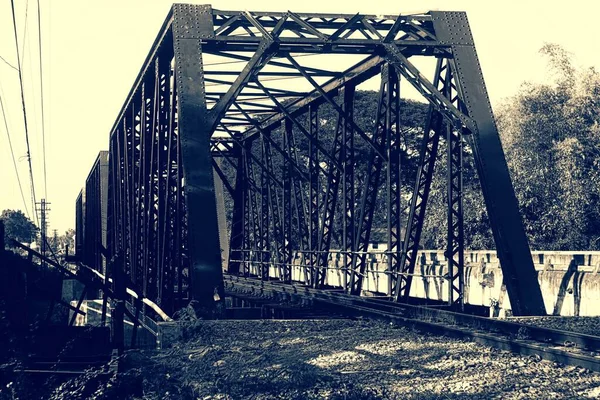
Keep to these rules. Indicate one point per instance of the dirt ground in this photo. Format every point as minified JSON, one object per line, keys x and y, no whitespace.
{"x":343,"y":359}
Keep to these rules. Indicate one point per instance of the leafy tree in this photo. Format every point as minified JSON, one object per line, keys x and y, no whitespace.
{"x":551,"y":136}
{"x":17,"y":226}
{"x":477,"y":231}
{"x":412,"y":117}
{"x":68,"y":238}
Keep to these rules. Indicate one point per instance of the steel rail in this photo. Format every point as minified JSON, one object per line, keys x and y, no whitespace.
{"x":551,"y":344}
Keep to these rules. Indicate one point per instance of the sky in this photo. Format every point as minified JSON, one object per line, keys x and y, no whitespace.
{"x":93,"y":50}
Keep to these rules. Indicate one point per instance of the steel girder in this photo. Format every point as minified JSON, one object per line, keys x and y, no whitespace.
{"x":501,"y":202}
{"x":191,"y":102}
{"x":311,"y":273}
{"x":92,"y":215}
{"x":418,"y":205}
{"x":455,"y":242}
{"x":386,"y":122}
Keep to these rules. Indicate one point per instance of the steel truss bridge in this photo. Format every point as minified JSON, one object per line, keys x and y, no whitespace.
{"x":227,"y":103}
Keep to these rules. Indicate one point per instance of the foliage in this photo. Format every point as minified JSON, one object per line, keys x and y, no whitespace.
{"x":477,"y":232}
{"x":17,"y":226}
{"x":551,"y":135}
{"x":64,"y":240}
{"x":412,"y":117}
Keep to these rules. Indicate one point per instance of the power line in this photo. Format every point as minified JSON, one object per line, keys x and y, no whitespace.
{"x":13,"y":155}
{"x":42,"y":98}
{"x":25,"y":32}
{"x":33,"y":199}
{"x":9,"y":64}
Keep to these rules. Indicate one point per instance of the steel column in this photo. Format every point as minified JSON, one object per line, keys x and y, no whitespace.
{"x":190,"y":24}
{"x":512,"y":246}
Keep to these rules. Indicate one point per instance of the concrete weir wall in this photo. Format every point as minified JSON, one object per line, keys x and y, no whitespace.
{"x":570,"y":281}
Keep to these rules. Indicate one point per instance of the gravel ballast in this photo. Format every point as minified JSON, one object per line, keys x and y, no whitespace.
{"x":586,"y":325}
{"x":343,"y":359}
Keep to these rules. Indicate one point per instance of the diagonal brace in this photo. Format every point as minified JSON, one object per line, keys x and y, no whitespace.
{"x":263,"y":54}
{"x":442,"y":104}
{"x":343,"y":113}
{"x":299,"y":125}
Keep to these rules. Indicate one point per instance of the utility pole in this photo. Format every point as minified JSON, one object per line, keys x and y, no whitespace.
{"x":55,"y":241}
{"x":43,"y":209}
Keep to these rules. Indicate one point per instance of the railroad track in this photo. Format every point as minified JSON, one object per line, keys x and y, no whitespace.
{"x":68,"y":366}
{"x":569,"y":348}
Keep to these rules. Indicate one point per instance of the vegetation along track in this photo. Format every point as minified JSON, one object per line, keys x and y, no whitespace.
{"x":566,"y":347}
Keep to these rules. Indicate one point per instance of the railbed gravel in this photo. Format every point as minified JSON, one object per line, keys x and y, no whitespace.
{"x":345,"y":359}
{"x":586,"y":325}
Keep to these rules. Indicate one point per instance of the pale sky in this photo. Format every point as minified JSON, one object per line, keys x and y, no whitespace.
{"x":93,"y":50}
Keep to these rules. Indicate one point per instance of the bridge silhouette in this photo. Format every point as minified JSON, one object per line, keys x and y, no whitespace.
{"x":227,"y":105}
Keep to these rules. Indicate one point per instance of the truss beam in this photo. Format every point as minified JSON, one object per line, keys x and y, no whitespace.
{"x":231,"y":85}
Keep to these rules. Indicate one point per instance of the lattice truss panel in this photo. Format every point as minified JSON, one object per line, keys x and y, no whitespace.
{"x":238,"y":98}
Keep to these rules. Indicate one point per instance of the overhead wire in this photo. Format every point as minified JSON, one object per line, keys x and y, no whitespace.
{"x":9,"y":64}
{"x":12,"y":152}
{"x":42,"y":99}
{"x":25,"y":31}
{"x":31,"y":96}
{"x":33,"y":198}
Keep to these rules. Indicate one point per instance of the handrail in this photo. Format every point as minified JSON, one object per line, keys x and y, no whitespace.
{"x":64,"y":270}
{"x":136,"y":296}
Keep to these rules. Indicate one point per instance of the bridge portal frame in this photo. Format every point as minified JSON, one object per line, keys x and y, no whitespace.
{"x":163,"y":145}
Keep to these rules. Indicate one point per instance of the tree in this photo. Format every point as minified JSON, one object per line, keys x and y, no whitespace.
{"x":68,"y":239}
{"x":18,"y":227}
{"x":477,"y":230}
{"x":412,"y":118}
{"x":551,"y":136}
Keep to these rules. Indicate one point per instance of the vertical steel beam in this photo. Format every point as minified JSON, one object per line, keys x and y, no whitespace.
{"x":190,"y":25}
{"x":138,"y":153}
{"x":300,"y":209}
{"x":511,"y":242}
{"x":265,"y":215}
{"x":153,"y":181}
{"x":388,"y":92}
{"x":288,"y":242}
{"x":314,"y":193}
{"x":349,"y":203}
{"x":180,"y":228}
{"x":221,"y":216}
{"x":343,"y":131}
{"x":393,"y":179}
{"x":418,"y":205}
{"x":171,"y":224}
{"x":248,"y":214}
{"x":113,"y":186}
{"x":277,"y":246}
{"x":163,"y":262}
{"x":454,"y":198}
{"x":255,"y":243}
{"x":455,"y":236}
{"x":238,"y":231}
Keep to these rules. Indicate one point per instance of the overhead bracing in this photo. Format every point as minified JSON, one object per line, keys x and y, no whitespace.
{"x":249,"y":88}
